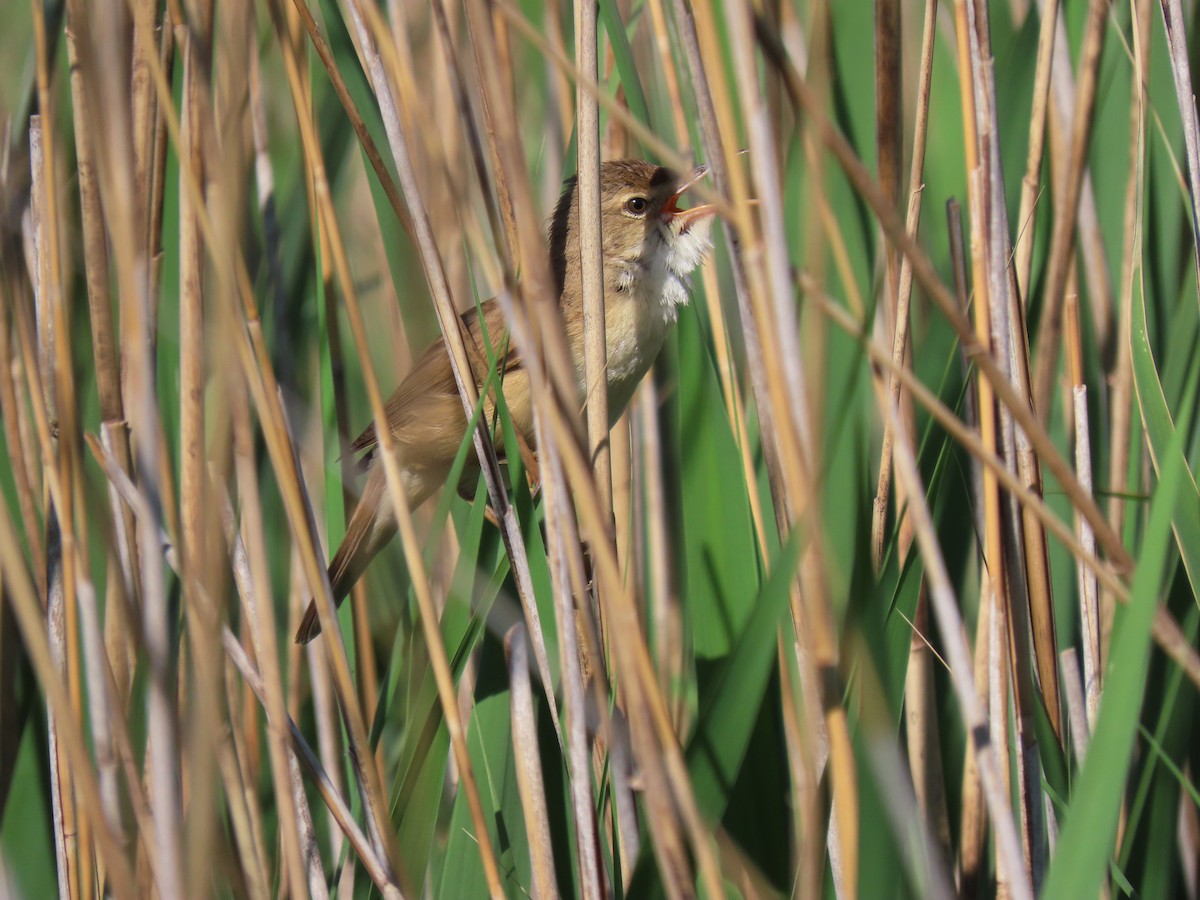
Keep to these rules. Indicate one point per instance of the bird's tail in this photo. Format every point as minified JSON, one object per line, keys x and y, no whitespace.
{"x":372,"y":525}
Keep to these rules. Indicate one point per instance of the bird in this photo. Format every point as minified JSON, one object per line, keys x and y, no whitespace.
{"x":651,"y":247}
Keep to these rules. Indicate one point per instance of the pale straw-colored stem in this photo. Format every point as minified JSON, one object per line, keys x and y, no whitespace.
{"x":958,"y":658}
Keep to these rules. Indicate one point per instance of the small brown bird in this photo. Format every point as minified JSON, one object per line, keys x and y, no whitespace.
{"x":651,"y":247}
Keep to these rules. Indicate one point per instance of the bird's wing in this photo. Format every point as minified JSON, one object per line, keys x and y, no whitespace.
{"x":428,"y":396}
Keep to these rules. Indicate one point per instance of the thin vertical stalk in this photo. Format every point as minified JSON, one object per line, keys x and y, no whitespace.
{"x":1066,"y":210}
{"x":529,"y":766}
{"x":1027,"y":215}
{"x":969,"y":438}
{"x":941,"y":593}
{"x":900,"y":313}
{"x":259,"y":379}
{"x":15,"y":424}
{"x":1172,"y":12}
{"x":466,"y":385}
{"x":29,"y":619}
{"x":1091,"y":244}
{"x":587,"y":129}
{"x":1089,"y":609}
{"x":589,"y":859}
{"x":466,"y":357}
{"x":1121,"y":395}
{"x":201,"y":630}
{"x":765,"y":307}
{"x":59,"y":590}
{"x":121,"y":581}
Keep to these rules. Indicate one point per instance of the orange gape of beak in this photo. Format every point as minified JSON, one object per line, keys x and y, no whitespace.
{"x":687,"y":217}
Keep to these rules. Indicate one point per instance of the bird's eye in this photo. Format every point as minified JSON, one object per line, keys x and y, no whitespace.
{"x":636,"y":205}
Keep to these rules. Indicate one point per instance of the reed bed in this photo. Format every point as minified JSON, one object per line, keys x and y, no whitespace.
{"x":884,"y":584}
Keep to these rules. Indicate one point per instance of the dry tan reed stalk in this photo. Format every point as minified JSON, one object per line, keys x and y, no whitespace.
{"x":889,"y":137}
{"x":665,"y":612}
{"x":972,"y":442}
{"x":1066,"y":210}
{"x":770,"y":283}
{"x":983,"y":300}
{"x":972,"y":843}
{"x":587,"y":130}
{"x":29,"y":618}
{"x":1015,"y":553}
{"x":1121,"y":393}
{"x":1091,"y":245}
{"x":260,"y":617}
{"x":466,"y":382}
{"x":1009,"y":331}
{"x":1077,"y":716}
{"x":998,"y":668}
{"x":73,"y":834}
{"x":1172,"y":13}
{"x":924,"y":746}
{"x":588,"y":857}
{"x":713,"y":104}
{"x":958,"y":657}
{"x":60,"y":588}
{"x":973,"y":817}
{"x":127,"y":228}
{"x":540,"y":331}
{"x":899,"y":313}
{"x":259,"y":379}
{"x":202,"y":727}
{"x":522,"y":334}
{"x":1030,"y":184}
{"x":15,"y":424}
{"x":1165,"y":629}
{"x":889,"y":133}
{"x":529,"y":766}
{"x":467,"y":358}
{"x":121,"y":584}
{"x":156,"y":177}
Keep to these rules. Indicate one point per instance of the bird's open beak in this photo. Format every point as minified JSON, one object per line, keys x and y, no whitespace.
{"x":687,"y":217}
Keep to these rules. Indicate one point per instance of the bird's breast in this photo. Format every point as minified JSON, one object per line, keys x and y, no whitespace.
{"x":635,"y":328}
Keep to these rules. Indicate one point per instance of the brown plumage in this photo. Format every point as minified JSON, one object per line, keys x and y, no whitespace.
{"x":650,"y":249}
